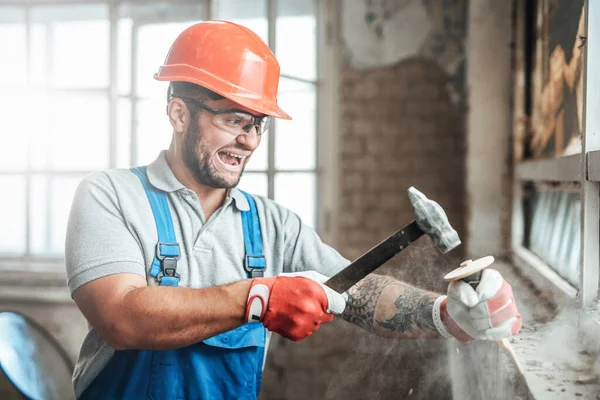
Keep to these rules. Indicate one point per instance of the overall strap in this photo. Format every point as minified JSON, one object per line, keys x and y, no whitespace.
{"x":254,"y":262}
{"x":164,"y":265}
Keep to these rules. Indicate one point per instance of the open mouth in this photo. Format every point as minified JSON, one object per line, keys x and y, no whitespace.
{"x":230,"y":159}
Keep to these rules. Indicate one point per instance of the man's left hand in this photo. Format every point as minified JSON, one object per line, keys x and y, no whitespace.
{"x":486,"y":313}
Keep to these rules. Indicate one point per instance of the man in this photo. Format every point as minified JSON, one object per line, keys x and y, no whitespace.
{"x":179,"y":272}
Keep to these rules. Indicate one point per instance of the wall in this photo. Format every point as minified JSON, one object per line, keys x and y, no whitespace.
{"x":489,"y":127}
{"x":402,"y":123}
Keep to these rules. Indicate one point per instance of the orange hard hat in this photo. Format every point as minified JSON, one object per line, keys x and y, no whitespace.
{"x":228,"y":59}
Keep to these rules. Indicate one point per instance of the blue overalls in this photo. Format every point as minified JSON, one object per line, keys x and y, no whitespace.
{"x":226,"y":366}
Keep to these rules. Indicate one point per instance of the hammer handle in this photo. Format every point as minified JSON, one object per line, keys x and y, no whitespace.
{"x":374,"y":258}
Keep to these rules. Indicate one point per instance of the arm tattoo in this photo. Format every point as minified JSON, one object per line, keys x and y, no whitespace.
{"x":404,"y":311}
{"x":414,"y":309}
{"x":362,"y":299}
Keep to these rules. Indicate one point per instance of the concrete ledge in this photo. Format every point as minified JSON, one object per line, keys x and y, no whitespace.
{"x":34,"y":285}
{"x":558,"y":344}
{"x":556,"y":347}
{"x":34,"y":294}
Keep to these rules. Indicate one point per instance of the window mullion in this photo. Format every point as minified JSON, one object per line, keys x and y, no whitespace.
{"x":272,"y":23}
{"x":112,"y":85}
{"x":52,"y":124}
{"x":134,"y":93}
{"x":29,"y":139}
{"x":590,"y":191}
{"x":209,"y":9}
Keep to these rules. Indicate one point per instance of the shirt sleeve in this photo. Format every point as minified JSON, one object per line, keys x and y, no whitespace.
{"x":99,"y":242}
{"x":304,"y":250}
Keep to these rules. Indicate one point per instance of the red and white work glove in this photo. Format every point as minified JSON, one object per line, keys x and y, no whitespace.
{"x":293,"y":305}
{"x":486,"y":313}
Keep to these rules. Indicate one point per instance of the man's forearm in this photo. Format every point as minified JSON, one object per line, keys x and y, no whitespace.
{"x":184,"y":316}
{"x":390,"y":308}
{"x":160,"y":317}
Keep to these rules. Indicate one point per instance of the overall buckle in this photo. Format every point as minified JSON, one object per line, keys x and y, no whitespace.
{"x":255,"y":265}
{"x":168,"y":254}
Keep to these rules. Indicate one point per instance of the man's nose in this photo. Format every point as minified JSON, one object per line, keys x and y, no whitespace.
{"x":250,"y":140}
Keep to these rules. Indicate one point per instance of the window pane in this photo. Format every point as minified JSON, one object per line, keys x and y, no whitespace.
{"x":154,"y":42}
{"x":12,"y":215}
{"x":39,"y":128}
{"x":296,"y":42}
{"x":51,"y":200}
{"x":124,"y":133}
{"x":259,"y":159}
{"x":13,"y":138}
{"x":154,"y":130}
{"x":38,"y":45}
{"x":38,"y":209}
{"x":250,"y":13}
{"x":61,"y":192}
{"x":79,"y":44}
{"x":554,"y":229}
{"x":254,"y":183}
{"x":13,"y":62}
{"x":124,"y":34}
{"x":296,"y":191}
{"x":79,"y":132}
{"x":296,"y":139}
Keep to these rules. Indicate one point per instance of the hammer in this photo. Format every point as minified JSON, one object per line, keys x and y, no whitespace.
{"x":430,"y":219}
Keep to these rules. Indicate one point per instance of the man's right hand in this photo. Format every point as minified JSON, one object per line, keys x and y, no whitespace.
{"x":293,"y":306}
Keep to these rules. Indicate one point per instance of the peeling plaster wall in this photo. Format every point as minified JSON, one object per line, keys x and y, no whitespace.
{"x":489,"y":127}
{"x":381,"y":33}
{"x":402,"y":123}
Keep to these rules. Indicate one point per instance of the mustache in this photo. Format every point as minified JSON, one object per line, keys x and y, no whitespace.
{"x":237,"y":146}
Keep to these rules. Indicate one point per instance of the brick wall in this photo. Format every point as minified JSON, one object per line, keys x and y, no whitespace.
{"x":398,"y":128}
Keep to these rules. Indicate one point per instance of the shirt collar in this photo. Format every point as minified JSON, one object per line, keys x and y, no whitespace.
{"x":161,"y":177}
{"x":241,"y":202}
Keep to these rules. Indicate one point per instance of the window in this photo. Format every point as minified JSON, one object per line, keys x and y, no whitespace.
{"x":556,"y":224}
{"x":285,"y":167}
{"x":554,"y":229}
{"x":78,"y":88}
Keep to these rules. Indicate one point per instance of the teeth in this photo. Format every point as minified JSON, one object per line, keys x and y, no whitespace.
{"x":235,"y":155}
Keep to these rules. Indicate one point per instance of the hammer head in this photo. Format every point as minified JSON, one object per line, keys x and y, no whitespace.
{"x":432,"y":220}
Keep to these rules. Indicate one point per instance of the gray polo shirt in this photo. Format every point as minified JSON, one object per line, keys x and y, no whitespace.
{"x":111,"y":230}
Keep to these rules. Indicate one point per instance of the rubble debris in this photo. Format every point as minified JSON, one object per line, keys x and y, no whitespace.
{"x":534,"y":363}
{"x":585,"y":379}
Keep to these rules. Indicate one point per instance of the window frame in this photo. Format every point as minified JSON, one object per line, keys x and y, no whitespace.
{"x":30,"y":264}
{"x":583,"y":168}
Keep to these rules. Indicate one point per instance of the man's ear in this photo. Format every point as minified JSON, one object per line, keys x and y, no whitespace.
{"x":178,"y":114}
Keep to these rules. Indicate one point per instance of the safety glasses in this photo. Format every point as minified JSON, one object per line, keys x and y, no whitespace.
{"x":235,"y":122}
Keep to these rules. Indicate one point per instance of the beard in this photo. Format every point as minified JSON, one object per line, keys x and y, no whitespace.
{"x":196,"y":158}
